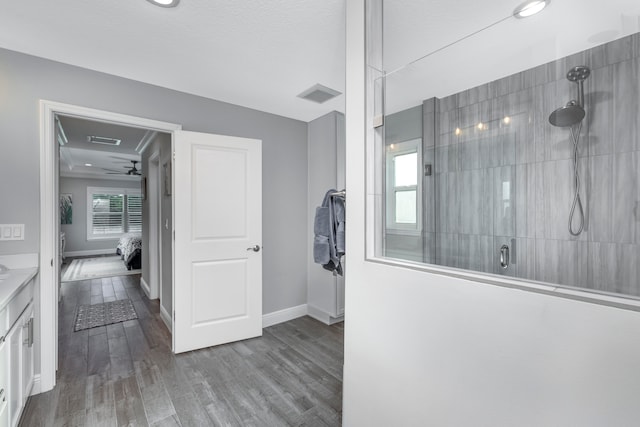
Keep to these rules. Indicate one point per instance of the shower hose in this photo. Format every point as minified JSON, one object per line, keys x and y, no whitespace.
{"x":575,"y":136}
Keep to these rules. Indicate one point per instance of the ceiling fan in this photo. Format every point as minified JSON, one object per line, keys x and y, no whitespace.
{"x":132,"y":170}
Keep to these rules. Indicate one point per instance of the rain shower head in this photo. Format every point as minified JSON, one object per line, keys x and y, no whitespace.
{"x":566,"y":116}
{"x":578,"y":74}
{"x":572,"y":113}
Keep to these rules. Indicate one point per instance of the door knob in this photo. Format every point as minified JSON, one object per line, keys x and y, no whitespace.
{"x":255,"y":248}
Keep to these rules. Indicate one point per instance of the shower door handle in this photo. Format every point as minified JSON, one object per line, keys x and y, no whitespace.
{"x":504,"y":256}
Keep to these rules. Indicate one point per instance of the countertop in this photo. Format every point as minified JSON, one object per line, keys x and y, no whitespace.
{"x":11,"y":285}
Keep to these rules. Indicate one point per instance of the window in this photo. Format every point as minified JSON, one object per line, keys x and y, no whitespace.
{"x":404,"y":186}
{"x":134,"y":213}
{"x":112,"y":212}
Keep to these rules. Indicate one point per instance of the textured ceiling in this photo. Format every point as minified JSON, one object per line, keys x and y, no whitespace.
{"x":255,"y":53}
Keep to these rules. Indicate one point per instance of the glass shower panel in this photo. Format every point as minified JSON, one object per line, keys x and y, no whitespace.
{"x":408,"y":196}
{"x":476,"y":181}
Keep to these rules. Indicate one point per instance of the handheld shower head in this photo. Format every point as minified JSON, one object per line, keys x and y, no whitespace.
{"x":569,"y":115}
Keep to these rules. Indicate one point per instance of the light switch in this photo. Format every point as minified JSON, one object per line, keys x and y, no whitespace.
{"x":11,"y":231}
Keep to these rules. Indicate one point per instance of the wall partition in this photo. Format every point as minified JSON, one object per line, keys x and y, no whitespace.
{"x":510,"y":146}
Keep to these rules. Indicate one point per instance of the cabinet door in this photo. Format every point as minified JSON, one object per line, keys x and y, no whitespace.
{"x":14,"y":393}
{"x":4,"y":412}
{"x":27,"y":356}
{"x":4,"y":384}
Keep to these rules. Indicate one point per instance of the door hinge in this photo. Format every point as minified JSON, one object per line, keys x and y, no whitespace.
{"x":174,"y":155}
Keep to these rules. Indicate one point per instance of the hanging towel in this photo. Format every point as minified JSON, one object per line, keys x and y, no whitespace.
{"x":329,"y":232}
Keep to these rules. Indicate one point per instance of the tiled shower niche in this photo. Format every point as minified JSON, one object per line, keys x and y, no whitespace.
{"x":503,"y":175}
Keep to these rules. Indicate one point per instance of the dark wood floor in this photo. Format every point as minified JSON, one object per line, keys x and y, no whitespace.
{"x":125,"y":374}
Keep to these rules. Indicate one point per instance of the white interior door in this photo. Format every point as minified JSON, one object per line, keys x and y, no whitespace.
{"x":218,"y":234}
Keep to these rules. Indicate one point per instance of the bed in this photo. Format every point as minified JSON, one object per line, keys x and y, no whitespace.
{"x":130,"y":249}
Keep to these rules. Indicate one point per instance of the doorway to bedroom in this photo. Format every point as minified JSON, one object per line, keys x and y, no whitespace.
{"x":112,"y":205}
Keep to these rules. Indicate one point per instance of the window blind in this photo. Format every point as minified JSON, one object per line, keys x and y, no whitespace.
{"x":107,"y":213}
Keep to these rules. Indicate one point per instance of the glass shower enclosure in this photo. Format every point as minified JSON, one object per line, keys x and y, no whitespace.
{"x":517,"y":159}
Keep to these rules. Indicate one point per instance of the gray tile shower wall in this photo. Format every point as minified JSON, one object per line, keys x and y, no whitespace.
{"x":504,"y":175}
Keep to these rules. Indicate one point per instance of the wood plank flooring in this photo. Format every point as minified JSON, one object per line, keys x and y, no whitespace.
{"x":125,"y":374}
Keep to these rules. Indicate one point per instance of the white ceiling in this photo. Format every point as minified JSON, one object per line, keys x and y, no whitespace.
{"x":262,"y":53}
{"x":513,"y":45}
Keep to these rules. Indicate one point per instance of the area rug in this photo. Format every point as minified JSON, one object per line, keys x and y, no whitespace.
{"x":108,"y":313}
{"x":93,"y":268}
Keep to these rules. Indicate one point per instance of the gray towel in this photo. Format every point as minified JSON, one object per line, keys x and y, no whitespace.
{"x":329,"y":233}
{"x":321,"y":252}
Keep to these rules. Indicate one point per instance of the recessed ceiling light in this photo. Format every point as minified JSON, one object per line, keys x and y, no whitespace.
{"x":165,"y":3}
{"x":529,"y":8}
{"x":88,"y":164}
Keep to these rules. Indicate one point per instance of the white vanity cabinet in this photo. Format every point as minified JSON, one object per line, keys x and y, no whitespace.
{"x":27,"y":354}
{"x":20,"y":341}
{"x":4,"y":371}
{"x":16,"y":347}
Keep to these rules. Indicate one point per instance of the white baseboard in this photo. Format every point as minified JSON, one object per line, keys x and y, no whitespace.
{"x":166,"y":318}
{"x":145,"y":287}
{"x":110,"y":251}
{"x":285,"y":315}
{"x":323,"y":316}
{"x":36,"y":387}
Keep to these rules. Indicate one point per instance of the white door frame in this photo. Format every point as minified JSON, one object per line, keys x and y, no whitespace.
{"x":49,"y":222}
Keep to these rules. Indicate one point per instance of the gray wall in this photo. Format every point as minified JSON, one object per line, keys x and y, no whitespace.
{"x":166,"y":219}
{"x":161,"y":144}
{"x":26,"y":79}
{"x":534,"y":159}
{"x":403,"y":126}
{"x":76,"y":232}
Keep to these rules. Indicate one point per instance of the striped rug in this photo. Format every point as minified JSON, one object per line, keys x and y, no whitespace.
{"x":93,"y":268}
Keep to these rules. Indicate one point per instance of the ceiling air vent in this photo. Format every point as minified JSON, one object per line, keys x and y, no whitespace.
{"x":103,"y":140}
{"x":318,"y":93}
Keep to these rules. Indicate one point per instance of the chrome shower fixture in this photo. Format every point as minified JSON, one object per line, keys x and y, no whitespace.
{"x":573,"y":112}
{"x":571,"y":116}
